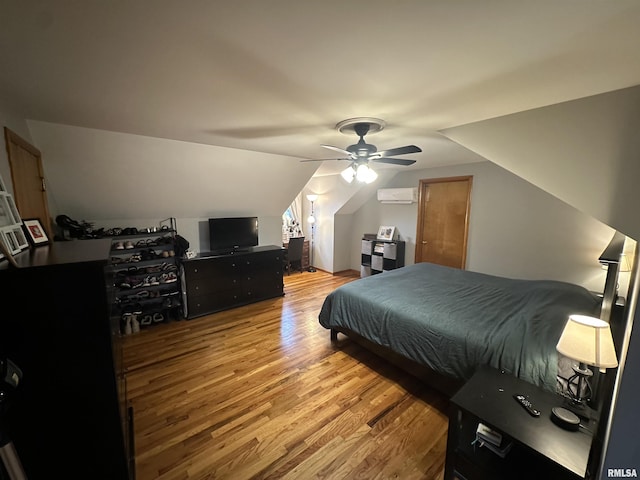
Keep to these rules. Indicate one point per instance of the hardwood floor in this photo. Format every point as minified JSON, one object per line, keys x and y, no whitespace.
{"x":260,"y":392}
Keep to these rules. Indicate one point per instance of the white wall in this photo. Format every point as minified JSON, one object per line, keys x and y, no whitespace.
{"x":117,"y":180}
{"x":95,"y":174}
{"x":196,"y":230}
{"x":515,"y":229}
{"x":336,"y":197}
{"x":586,"y":152}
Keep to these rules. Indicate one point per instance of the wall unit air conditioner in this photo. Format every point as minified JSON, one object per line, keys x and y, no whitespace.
{"x":398,"y":195}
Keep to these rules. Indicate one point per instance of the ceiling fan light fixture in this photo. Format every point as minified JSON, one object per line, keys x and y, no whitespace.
{"x":348,"y":174}
{"x":365,"y":174}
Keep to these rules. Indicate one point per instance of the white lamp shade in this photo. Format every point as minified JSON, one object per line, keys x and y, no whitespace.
{"x":311,"y":219}
{"x":371,"y":176}
{"x":312,"y":197}
{"x":348,"y":174}
{"x":364,"y":173}
{"x":588,"y":340}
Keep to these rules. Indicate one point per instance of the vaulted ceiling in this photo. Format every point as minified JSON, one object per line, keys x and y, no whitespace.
{"x":276,"y":76}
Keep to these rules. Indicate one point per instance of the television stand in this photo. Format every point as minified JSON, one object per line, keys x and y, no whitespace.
{"x":215,"y":281}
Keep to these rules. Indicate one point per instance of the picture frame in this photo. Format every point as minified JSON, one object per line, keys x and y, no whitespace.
{"x":386,"y":233}
{"x":34,"y":232}
{"x":5,"y":252}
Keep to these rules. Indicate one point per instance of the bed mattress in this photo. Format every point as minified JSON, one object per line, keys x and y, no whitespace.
{"x":455,"y":320}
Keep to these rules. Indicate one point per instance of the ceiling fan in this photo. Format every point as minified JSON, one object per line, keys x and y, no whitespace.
{"x":361,"y":153}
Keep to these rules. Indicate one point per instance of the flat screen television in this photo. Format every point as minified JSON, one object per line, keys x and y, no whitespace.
{"x":232,"y":233}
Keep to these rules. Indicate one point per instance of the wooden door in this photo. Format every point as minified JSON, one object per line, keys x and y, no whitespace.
{"x":443,"y":221}
{"x":27,"y":174}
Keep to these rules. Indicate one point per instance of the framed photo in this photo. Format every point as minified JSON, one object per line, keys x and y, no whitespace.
{"x":34,"y":232}
{"x":386,"y":233}
{"x":5,"y":249}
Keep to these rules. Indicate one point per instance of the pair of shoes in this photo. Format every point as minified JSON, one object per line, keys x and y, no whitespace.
{"x":149,"y":254}
{"x":168,"y":277}
{"x":170,"y":302}
{"x":164,"y":266}
{"x":131,"y":324}
{"x":150,"y":281}
{"x":146,"y":242}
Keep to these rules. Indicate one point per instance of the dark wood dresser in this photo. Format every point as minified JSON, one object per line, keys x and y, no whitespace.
{"x":214,"y":282}
{"x":69,"y":417}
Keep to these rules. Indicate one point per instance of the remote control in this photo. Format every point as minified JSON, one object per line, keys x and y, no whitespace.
{"x":527,"y":405}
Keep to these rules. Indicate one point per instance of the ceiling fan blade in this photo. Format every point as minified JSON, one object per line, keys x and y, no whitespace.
{"x":338,"y":149}
{"x":395,"y":161}
{"x":322,"y":159}
{"x":399,"y":151}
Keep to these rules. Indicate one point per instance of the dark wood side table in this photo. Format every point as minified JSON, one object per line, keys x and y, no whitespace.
{"x":541,"y":449}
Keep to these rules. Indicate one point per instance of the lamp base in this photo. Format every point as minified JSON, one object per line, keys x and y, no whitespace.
{"x":581,"y":409}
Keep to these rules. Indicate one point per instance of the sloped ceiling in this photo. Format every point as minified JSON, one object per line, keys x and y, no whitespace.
{"x":275,"y":77}
{"x":585,"y":152}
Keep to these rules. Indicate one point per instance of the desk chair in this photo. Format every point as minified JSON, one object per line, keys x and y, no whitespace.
{"x":293,"y":255}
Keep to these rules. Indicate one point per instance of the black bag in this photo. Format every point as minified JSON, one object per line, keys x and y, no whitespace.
{"x":182,"y":245}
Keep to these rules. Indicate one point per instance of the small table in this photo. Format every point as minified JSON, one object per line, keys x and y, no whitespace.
{"x":540,"y":450}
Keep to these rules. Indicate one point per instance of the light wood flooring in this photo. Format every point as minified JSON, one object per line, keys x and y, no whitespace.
{"x":260,"y":392}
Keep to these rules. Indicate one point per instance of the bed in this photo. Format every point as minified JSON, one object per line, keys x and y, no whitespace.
{"x":451,"y":321}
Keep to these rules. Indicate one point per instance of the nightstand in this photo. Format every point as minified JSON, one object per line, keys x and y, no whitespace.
{"x":540,"y":449}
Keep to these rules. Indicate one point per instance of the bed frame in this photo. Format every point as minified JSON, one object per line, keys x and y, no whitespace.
{"x":444,"y":384}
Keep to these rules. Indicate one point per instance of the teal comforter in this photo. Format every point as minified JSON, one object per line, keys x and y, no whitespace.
{"x":455,"y":320}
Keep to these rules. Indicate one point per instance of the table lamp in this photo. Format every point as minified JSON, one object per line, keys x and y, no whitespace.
{"x":587,"y":340}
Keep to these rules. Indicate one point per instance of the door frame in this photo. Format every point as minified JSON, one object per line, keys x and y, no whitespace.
{"x":422,"y":199}
{"x":13,"y":138}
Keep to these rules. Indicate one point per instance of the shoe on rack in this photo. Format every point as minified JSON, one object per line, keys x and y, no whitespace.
{"x":128,"y":244}
{"x":135,"y":325}
{"x":136,"y":257}
{"x":168,"y":277}
{"x":158,"y":317}
{"x":127,"y":323}
{"x":146,"y":320}
{"x":118,"y":246}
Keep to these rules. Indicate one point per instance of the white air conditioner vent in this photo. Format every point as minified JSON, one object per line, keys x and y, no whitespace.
{"x":398,"y":195}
